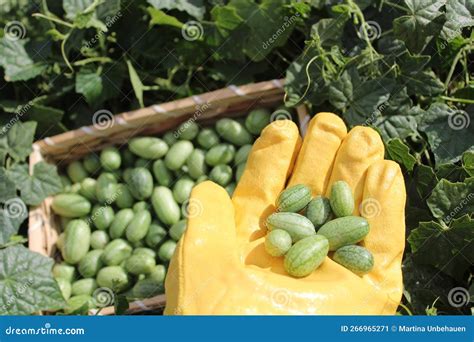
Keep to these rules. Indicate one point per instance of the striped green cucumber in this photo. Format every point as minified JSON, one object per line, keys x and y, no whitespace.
{"x":278,"y":242}
{"x":197,"y":164}
{"x":355,"y":258}
{"x":140,"y":183}
{"x":207,"y":138}
{"x":124,"y":197}
{"x":166,"y":250}
{"x":257,"y":120}
{"x":84,"y":286}
{"x":64,"y":271}
{"x":113,"y":277}
{"x":220,"y":154}
{"x":120,"y":223}
{"x":221,"y":174}
{"x":116,"y":252}
{"x":88,"y":188}
{"x":341,"y":199}
{"x":294,"y":198}
{"x":169,"y":138}
{"x":148,"y":147}
{"x":294,"y":224}
{"x":91,"y":263}
{"x":345,"y":231}
{"x":76,"y":241}
{"x":242,"y":154}
{"x":76,"y":171}
{"x":110,"y":158}
{"x":140,"y":263}
{"x":138,"y":226}
{"x":165,"y":206}
{"x":106,"y":189}
{"x":144,"y":250}
{"x":318,"y":211}
{"x":99,"y":239}
{"x":162,"y":175}
{"x":177,"y":230}
{"x":182,"y":189}
{"x":178,"y":154}
{"x":71,"y":205}
{"x":102,"y":216}
{"x":156,"y":235}
{"x":188,"y":130}
{"x":91,"y":163}
{"x":306,"y":255}
{"x":233,"y":131}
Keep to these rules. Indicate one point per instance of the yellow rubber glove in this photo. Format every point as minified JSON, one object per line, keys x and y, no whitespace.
{"x":220,"y":265}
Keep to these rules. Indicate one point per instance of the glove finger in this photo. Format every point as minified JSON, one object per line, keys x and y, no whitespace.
{"x":207,"y":247}
{"x":268,"y":167}
{"x":384,"y":207}
{"x":361,"y":148}
{"x":318,"y":152}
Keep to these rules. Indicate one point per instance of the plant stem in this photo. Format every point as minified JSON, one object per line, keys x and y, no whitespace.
{"x":467,"y":48}
{"x":93,"y":60}
{"x":63,"y":52}
{"x":53,"y":19}
{"x":457,"y":99}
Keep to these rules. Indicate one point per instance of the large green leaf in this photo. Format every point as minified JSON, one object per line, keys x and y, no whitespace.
{"x":450,"y":250}
{"x":16,"y":61}
{"x":194,"y":8}
{"x":18,"y":140}
{"x":396,"y":126}
{"x":418,"y":79}
{"x":448,"y":131}
{"x":400,"y":153}
{"x":451,"y":200}
{"x":468,"y":162}
{"x":26,"y":282}
{"x":7,"y":186}
{"x":34,"y":189}
{"x":98,"y":85}
{"x":459,"y":14}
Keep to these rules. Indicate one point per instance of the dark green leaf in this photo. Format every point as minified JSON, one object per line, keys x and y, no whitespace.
{"x":18,"y":65}
{"x":425,"y":179}
{"x":97,"y":85}
{"x":450,"y":200}
{"x":468,"y":162}
{"x":7,"y":186}
{"x":136,"y":83}
{"x":34,"y":189}
{"x":19,"y":139}
{"x":459,"y":14}
{"x":400,"y":153}
{"x":26,"y":283}
{"x":396,"y":126}
{"x":416,"y":78}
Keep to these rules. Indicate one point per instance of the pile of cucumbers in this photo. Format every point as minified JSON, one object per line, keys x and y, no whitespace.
{"x":123,"y":211}
{"x":305,"y":229}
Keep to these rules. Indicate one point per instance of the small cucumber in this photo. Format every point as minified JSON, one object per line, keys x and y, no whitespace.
{"x":140,"y":206}
{"x":91,"y":163}
{"x":177,"y":230}
{"x":196,"y":164}
{"x":140,"y":264}
{"x":158,"y":274}
{"x":355,"y":258}
{"x":140,"y":183}
{"x":144,"y":250}
{"x":64,"y":271}
{"x":177,"y":155}
{"x":233,"y":131}
{"x":84,"y":287}
{"x":65,"y":181}
{"x":341,"y":199}
{"x":120,"y":223}
{"x":294,"y":224}
{"x":91,"y":263}
{"x":257,"y":120}
{"x":64,"y":287}
{"x":169,"y":138}
{"x":188,"y":130}
{"x":71,"y":205}
{"x":124,"y":197}
{"x":182,"y":189}
{"x":87,"y":189}
{"x":306,"y":255}
{"x":106,"y":189}
{"x":102,"y":216}
{"x":165,"y":252}
{"x":99,"y":239}
{"x":60,"y":241}
{"x":277,"y":242}
{"x":221,"y":174}
{"x":165,"y":206}
{"x":294,"y":198}
{"x":76,"y":241}
{"x":148,"y":147}
{"x":162,"y":175}
{"x":242,"y":154}
{"x":116,"y":252}
{"x":207,"y":138}
{"x":76,"y":172}
{"x":345,"y":231}
{"x":318,"y":211}
{"x":156,"y":235}
{"x":78,"y":305}
{"x":138,"y":227}
{"x":110,"y":159}
{"x":220,"y":154}
{"x":113,"y":277}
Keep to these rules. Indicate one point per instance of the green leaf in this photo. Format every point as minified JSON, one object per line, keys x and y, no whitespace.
{"x":7,"y":186}
{"x":419,"y":25}
{"x":425,"y":179}
{"x":328,"y":31}
{"x":418,"y":80}
{"x":158,"y":17}
{"x":451,"y":200}
{"x":396,"y":126}
{"x":19,"y":139}
{"x":450,"y":250}
{"x":459,"y":14}
{"x":98,"y":85}
{"x":468,"y":162}
{"x":26,"y":283}
{"x":194,"y":8}
{"x":18,"y":65}
{"x":226,"y":19}
{"x":448,"y":131}
{"x":12,"y":215}
{"x":34,"y":189}
{"x":399,"y":152}
{"x":136,"y":83}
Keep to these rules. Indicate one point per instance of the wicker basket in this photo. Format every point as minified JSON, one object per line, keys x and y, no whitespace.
{"x":233,"y":101}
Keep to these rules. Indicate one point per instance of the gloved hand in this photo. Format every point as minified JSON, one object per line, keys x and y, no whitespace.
{"x":220,"y":265}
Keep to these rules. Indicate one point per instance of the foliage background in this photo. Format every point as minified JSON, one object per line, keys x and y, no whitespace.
{"x":403,"y":67}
